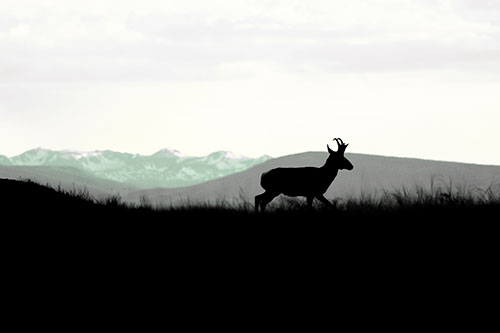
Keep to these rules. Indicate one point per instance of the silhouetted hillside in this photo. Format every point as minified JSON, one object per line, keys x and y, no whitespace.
{"x":22,"y":200}
{"x":66,"y":178}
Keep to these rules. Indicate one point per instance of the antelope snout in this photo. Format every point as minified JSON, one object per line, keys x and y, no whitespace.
{"x":348,"y":166}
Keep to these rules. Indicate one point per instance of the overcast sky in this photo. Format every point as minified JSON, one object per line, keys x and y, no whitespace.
{"x":391,"y":77}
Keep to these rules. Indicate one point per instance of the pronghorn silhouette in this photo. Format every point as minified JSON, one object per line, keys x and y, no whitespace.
{"x":310,"y":182}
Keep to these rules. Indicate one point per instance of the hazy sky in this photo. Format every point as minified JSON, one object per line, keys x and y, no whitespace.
{"x":391,"y":77}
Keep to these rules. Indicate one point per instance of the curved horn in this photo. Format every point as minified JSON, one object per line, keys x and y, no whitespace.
{"x":339,"y":142}
{"x":341,"y":145}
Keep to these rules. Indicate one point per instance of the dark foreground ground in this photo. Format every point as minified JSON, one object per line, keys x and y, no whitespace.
{"x":423,"y":250}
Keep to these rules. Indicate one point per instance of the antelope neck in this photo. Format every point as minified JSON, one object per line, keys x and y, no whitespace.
{"x":329,"y":171}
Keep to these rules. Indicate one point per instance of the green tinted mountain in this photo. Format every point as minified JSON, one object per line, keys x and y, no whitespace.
{"x":4,"y":160}
{"x":165,"y":168}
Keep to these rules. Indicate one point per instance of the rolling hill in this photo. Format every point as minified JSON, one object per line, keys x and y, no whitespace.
{"x":371,"y":176}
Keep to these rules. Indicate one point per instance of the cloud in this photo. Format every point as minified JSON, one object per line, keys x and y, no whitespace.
{"x":195,"y":41}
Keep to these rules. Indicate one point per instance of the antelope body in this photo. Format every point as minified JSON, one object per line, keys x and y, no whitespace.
{"x":310,"y":182}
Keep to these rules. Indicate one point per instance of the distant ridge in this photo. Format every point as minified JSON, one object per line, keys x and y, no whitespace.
{"x":371,"y":176}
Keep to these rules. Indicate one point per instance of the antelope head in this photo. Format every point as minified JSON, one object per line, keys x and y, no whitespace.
{"x":337,"y":159}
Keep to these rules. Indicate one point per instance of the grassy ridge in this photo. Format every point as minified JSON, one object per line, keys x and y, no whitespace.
{"x":25,"y":199}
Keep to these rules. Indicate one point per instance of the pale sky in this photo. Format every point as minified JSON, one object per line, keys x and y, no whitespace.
{"x":391,"y":77}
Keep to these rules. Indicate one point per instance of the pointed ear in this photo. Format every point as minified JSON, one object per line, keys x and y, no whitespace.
{"x":329,"y":150}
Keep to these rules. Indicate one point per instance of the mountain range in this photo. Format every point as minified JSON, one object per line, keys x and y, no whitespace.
{"x":166,"y":168}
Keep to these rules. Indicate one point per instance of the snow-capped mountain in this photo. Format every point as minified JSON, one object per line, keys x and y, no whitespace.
{"x":165,"y":168}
